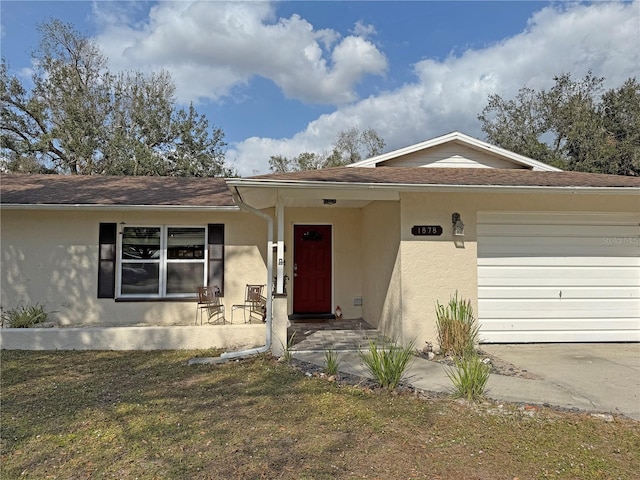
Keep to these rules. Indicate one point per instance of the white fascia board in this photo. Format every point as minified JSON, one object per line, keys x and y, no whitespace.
{"x":404,"y":187}
{"x":460,"y":137}
{"x":528,"y":189}
{"x":82,"y":206}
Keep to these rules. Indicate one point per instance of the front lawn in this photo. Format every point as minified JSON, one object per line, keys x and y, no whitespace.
{"x":149,"y":415}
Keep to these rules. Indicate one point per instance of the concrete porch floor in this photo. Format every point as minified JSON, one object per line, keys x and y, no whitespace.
{"x":319,"y":335}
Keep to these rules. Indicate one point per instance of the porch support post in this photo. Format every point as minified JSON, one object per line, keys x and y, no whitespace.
{"x":280,"y":319}
{"x":279,"y":324}
{"x":280,"y":247}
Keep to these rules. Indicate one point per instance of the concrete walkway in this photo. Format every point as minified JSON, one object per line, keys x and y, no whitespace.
{"x":588,"y":377}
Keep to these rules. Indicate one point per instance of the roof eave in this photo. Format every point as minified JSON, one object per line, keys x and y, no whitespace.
{"x":82,"y":206}
{"x":406,"y":187}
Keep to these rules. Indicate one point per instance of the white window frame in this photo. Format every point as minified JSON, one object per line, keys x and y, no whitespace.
{"x":162,"y":262}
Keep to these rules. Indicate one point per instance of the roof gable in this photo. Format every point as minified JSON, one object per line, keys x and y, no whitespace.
{"x":454,"y":150}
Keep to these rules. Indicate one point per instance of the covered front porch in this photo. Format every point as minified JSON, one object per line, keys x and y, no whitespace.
{"x":329,"y":249}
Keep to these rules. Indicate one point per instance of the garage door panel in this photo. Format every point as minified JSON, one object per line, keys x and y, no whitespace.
{"x":553,"y":246}
{"x":611,"y":219}
{"x":558,"y":324}
{"x":565,"y":251}
{"x":560,"y":308}
{"x":560,"y":336}
{"x":500,"y":260}
{"x":558,"y":277}
{"x":529,"y":292}
{"x":564,"y":231}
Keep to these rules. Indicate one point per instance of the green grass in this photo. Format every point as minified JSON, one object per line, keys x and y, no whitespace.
{"x":149,"y":415}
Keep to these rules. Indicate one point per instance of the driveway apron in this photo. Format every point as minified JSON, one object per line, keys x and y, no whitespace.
{"x":604,"y":375}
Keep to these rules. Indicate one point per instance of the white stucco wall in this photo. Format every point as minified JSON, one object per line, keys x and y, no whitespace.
{"x":51,"y":258}
{"x":433,"y":267}
{"x":381,"y":283}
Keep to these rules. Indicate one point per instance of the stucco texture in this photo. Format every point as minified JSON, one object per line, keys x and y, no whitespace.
{"x":50,"y":257}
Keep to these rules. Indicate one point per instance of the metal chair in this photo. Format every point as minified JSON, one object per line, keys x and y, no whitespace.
{"x":209,"y":302}
{"x":254,"y":302}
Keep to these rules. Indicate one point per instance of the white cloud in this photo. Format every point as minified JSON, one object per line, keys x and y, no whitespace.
{"x":448,"y":95}
{"x":363,"y":30}
{"x":212,"y":48}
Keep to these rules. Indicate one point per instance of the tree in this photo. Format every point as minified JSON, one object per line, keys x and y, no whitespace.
{"x":620,"y":112}
{"x":572,"y":126}
{"x":351,"y":146}
{"x":80,"y":118}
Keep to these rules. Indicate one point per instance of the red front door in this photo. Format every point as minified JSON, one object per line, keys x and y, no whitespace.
{"x":312,"y":269}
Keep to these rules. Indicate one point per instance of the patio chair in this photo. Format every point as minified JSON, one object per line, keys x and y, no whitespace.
{"x":255,"y":304}
{"x":209,"y":303}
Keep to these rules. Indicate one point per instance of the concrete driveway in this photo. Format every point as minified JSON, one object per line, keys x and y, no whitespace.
{"x":602,"y":377}
{"x":588,"y":377}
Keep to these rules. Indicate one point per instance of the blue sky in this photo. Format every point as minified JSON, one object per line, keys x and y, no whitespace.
{"x":286,"y":77}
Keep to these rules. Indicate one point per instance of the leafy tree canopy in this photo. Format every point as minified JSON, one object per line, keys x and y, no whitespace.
{"x":351,"y":146}
{"x":573,"y":126}
{"x":80,"y":118}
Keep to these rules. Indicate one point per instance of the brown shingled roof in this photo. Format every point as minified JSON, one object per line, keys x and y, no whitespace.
{"x":113,"y":190}
{"x":456,"y":176}
{"x":213,"y":192}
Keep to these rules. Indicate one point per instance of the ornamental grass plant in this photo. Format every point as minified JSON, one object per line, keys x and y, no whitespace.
{"x":457,"y":328}
{"x":388,"y":362}
{"x":331,"y":362}
{"x":469,"y":377}
{"x":287,"y":354}
{"x":458,"y":333}
{"x":24,"y":316}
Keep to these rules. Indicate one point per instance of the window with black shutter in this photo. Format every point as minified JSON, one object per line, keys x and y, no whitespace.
{"x":107,"y":260}
{"x":159,"y":261}
{"x":216,"y":255}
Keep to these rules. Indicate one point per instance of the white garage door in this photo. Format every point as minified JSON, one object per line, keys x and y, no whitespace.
{"x":548,"y":277}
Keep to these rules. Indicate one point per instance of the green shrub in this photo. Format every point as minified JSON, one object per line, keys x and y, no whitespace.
{"x":388,"y":362}
{"x":331,"y":362}
{"x":457,"y":327}
{"x":469,"y":377}
{"x":24,"y":317}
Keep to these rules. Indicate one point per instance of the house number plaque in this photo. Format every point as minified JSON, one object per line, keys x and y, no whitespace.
{"x":426,"y":230}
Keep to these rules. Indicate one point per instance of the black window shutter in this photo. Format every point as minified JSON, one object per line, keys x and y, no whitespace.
{"x":216,"y":255}
{"x":107,"y":260}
